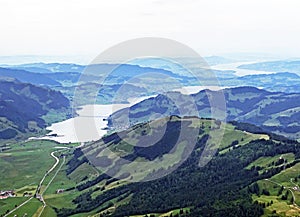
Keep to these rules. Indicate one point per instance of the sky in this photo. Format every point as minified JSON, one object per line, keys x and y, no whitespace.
{"x":211,"y":27}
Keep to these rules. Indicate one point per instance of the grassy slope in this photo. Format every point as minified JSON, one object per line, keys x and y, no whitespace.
{"x":230,"y":135}
{"x":9,"y":204}
{"x":265,"y":162}
{"x":32,"y":159}
{"x":25,"y":164}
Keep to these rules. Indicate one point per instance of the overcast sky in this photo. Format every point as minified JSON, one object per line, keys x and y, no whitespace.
{"x":86,"y":27}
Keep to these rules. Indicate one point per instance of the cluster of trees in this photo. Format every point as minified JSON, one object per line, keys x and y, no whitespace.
{"x":264,"y":204}
{"x":77,"y":160}
{"x":85,"y":203}
{"x":163,"y":146}
{"x":259,"y":130}
{"x":8,"y":133}
{"x":285,"y":196}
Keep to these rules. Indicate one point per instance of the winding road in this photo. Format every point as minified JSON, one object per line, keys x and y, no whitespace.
{"x":51,"y":169}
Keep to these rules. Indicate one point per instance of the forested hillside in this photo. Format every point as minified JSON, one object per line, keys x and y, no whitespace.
{"x":23,"y":107}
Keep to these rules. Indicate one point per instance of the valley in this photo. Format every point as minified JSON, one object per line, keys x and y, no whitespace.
{"x":147,"y":168}
{"x":87,"y":179}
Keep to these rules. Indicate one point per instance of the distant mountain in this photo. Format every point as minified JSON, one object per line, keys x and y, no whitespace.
{"x":128,"y":70}
{"x":65,"y":78}
{"x":161,"y":76}
{"x":275,"y":66}
{"x":50,"y":67}
{"x":24,"y":108}
{"x":201,"y":68}
{"x":113,"y":73}
{"x":113,"y":93}
{"x":174,"y":75}
{"x":96,"y":69}
{"x":28,"y":77}
{"x":160,"y":63}
{"x":68,"y":77}
{"x":133,"y":81}
{"x":274,"y":77}
{"x":62,"y":74}
{"x":278,"y":82}
{"x":282,"y":81}
{"x":272,"y":111}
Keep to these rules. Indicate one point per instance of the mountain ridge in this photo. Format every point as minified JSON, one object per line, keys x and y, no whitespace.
{"x":22,"y":107}
{"x":243,"y":104}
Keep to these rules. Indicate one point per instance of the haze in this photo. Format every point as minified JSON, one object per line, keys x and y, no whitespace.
{"x":74,"y":28}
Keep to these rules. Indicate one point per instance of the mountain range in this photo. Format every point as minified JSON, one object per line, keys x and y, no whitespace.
{"x":277,"y":112}
{"x":28,"y":77}
{"x":66,"y":77}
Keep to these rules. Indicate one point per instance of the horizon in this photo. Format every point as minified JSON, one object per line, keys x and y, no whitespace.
{"x":10,"y":60}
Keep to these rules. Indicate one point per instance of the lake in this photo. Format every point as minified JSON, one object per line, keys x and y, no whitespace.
{"x":90,"y":123}
{"x":239,"y":72}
